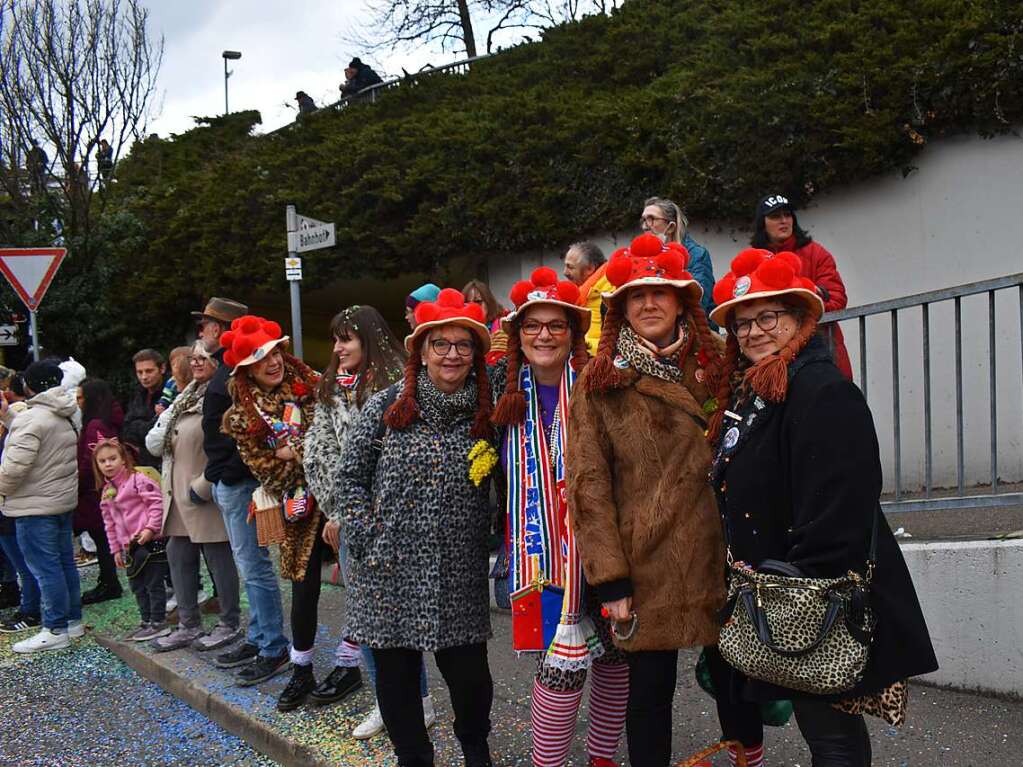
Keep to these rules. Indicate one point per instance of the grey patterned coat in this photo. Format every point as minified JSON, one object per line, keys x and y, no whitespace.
{"x":416,"y":527}
{"x":322,"y":455}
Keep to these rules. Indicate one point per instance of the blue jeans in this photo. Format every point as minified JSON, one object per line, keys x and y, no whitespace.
{"x":367,"y":653}
{"x":266,"y":616}
{"x":29,"y":587}
{"x":45,"y":542}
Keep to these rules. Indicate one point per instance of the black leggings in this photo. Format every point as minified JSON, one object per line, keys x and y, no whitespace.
{"x":467,"y":674}
{"x":305,"y":598}
{"x":652,"y":679}
{"x":836,"y":739}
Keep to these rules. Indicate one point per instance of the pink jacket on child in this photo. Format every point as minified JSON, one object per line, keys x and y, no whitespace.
{"x":130,"y":503}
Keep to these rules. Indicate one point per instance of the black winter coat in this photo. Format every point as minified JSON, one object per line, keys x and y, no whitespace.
{"x":801,"y":485}
{"x":224,"y":464}
{"x":140,"y":418}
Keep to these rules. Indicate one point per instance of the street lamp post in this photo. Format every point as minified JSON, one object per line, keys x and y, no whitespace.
{"x":234,"y":56}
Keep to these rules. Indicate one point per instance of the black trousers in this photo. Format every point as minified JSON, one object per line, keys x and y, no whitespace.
{"x":105,"y":560}
{"x":467,"y":675}
{"x":652,"y":678}
{"x":836,"y":739}
{"x":305,"y":598}
{"x":151,"y":591}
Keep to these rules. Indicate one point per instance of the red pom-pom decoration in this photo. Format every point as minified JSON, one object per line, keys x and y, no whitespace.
{"x":544,"y":276}
{"x":249,"y":324}
{"x":227,"y":339}
{"x":520,"y":292}
{"x":776,"y":273}
{"x":618,"y":270}
{"x":646,"y":246}
{"x":272,"y":329}
{"x":808,"y":284}
{"x":791,"y":259}
{"x":450,"y":298}
{"x":244,"y":346}
{"x":671,"y":262}
{"x":568,"y":292}
{"x":230,"y":359}
{"x":474,"y":312}
{"x":682,"y":251}
{"x":748,"y":260}
{"x":426,"y":312}
{"x":724,"y":288}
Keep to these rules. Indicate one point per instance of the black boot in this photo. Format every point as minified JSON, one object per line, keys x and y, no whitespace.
{"x":102,"y":593}
{"x":10,"y":595}
{"x":302,"y":683}
{"x":477,"y":754}
{"x":337,"y":685}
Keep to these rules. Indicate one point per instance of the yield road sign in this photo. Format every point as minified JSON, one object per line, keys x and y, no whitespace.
{"x":8,"y":335}
{"x":30,"y":271}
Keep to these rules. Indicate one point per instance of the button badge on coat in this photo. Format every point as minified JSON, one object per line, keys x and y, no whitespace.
{"x":731,"y":438}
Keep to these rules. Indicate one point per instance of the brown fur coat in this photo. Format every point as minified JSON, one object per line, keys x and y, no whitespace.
{"x":644,"y":514}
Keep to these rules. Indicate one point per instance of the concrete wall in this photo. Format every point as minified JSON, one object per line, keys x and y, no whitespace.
{"x":954,"y":220}
{"x":969,"y":592}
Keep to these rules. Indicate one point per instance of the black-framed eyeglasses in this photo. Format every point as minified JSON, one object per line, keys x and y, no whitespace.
{"x":766,"y":321}
{"x":649,"y":220}
{"x":535,"y":327}
{"x":442,"y":347}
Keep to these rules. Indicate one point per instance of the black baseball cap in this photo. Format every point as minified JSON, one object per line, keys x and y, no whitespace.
{"x":771,"y":203}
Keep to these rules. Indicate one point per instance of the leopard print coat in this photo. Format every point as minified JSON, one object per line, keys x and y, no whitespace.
{"x":322,"y":445}
{"x":416,"y":526}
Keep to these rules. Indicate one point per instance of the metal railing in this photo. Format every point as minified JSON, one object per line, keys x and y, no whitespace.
{"x":959,"y":497}
{"x":371,"y":93}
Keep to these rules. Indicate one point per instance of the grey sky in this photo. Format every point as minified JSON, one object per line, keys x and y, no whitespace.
{"x":285,"y":46}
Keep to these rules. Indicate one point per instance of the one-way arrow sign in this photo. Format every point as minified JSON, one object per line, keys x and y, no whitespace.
{"x":8,"y":335}
{"x":312,"y":234}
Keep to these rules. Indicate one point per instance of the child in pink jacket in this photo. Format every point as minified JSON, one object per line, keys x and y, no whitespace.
{"x":132,"y":508}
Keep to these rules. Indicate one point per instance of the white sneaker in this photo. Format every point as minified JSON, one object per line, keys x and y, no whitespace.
{"x":75,"y":629}
{"x":429,"y":713}
{"x":172,"y":603}
{"x":201,"y":598}
{"x":44,"y":640}
{"x":370,"y":726}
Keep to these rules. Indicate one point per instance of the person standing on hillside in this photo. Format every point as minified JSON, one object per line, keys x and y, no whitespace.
{"x":776,"y":229}
{"x":358,"y":77}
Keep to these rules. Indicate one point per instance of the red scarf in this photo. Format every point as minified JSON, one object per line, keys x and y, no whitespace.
{"x":785,"y":245}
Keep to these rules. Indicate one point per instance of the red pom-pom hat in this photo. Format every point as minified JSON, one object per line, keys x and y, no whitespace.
{"x":756,"y":274}
{"x":648,"y":261}
{"x":249,"y":340}
{"x":450,"y":308}
{"x":543,"y":287}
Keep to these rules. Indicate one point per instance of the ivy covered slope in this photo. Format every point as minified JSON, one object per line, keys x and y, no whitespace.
{"x":708,"y":101}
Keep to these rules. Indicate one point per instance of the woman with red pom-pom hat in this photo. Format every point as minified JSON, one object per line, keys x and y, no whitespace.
{"x":797,"y":477}
{"x":274,"y":400}
{"x":776,"y":229}
{"x":414,"y":501}
{"x":554,"y":614}
{"x":646,"y":523}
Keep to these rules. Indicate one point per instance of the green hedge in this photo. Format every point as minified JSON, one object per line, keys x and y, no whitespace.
{"x":710,"y":102}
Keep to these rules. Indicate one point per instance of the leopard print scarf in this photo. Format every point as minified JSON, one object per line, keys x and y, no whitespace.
{"x":641,"y":355}
{"x":441,"y":409}
{"x":188,"y":401}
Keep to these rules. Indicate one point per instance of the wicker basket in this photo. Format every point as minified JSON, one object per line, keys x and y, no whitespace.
{"x":269,"y":518}
{"x":696,"y":759}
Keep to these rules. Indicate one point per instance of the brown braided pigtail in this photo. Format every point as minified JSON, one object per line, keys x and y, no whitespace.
{"x":481,"y":423}
{"x":706,"y":338}
{"x":769,"y":378}
{"x":580,"y":352}
{"x":603,"y":374}
{"x":405,"y":410}
{"x":724,"y":388}
{"x":511,"y":407}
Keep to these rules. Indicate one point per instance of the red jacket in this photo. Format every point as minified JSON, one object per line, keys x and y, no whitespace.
{"x":819,"y":267}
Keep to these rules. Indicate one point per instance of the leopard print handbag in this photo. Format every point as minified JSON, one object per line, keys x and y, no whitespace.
{"x":806,"y":634}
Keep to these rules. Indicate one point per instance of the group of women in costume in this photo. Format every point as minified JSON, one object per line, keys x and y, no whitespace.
{"x":626,"y":478}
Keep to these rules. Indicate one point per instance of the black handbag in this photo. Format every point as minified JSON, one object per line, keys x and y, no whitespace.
{"x":806,"y":634}
{"x":139,"y":555}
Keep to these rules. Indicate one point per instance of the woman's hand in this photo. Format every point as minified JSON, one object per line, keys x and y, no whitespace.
{"x":145,"y":536}
{"x":285,"y":453}
{"x":118,"y":559}
{"x":619,"y":610}
{"x":332,"y":534}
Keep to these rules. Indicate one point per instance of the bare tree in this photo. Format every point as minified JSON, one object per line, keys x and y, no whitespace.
{"x":74,"y":71}
{"x":398,"y":23}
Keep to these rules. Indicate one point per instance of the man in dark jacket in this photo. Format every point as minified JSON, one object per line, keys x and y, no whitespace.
{"x":265,"y":650}
{"x":150,"y":370}
{"x":358,"y":76}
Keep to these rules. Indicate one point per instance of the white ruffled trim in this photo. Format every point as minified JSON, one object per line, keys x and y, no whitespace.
{"x":582,"y":638}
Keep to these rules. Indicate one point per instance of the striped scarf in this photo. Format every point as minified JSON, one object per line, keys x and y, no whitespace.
{"x":546,"y":571}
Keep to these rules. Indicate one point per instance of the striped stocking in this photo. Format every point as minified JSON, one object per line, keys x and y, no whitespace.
{"x":553,"y":716}
{"x":609,"y":694}
{"x":754,"y":756}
